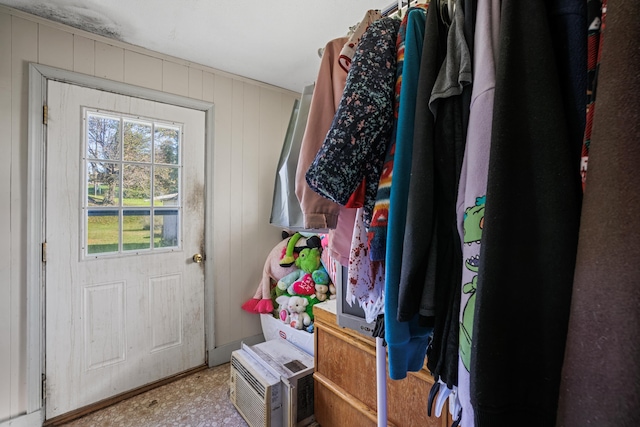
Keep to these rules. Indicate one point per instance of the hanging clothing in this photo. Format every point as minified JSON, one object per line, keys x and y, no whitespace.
{"x":377,"y":237}
{"x":530,"y":230}
{"x":285,"y":208}
{"x":568,"y":19}
{"x":601,"y":374}
{"x":356,"y":142}
{"x":349,"y":48}
{"x":596,"y":16}
{"x":472,"y":189}
{"x":419,"y":217}
{"x":431,"y":253}
{"x":406,"y":341}
{"x":346,"y":56}
{"x":321,"y":214}
{"x":365,"y":282}
{"x":469,"y":7}
{"x":340,"y":237}
{"x":431,"y":57}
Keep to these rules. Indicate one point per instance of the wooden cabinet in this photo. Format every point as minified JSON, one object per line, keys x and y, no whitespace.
{"x":345,"y":381}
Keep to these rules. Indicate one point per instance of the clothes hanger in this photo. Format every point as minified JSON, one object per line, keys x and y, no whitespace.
{"x":446,"y":8}
{"x":451,"y":5}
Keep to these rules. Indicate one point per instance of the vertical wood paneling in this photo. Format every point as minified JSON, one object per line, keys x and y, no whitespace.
{"x":250,"y":216}
{"x":224,"y":272}
{"x":208,"y":81}
{"x":142,"y":70}
{"x":84,"y":55}
{"x":238,"y":237}
{"x":55,"y":47}
{"x":249,"y":127}
{"x":109,"y":62}
{"x":6,"y":348}
{"x":175,"y":78}
{"x":195,"y":83}
{"x":24,"y":49}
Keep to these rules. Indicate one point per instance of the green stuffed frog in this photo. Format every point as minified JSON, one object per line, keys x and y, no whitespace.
{"x":308,"y":262}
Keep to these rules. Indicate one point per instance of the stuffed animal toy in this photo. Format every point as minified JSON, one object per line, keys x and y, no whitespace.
{"x":311,"y":281}
{"x":261,"y":302}
{"x":286,"y":283}
{"x":321,"y":279}
{"x":289,"y":258}
{"x":304,"y":286}
{"x":322,"y":292}
{"x":320,"y":276}
{"x":282,"y":312}
{"x":298,"y":316}
{"x":308,"y":262}
{"x":283,"y":308}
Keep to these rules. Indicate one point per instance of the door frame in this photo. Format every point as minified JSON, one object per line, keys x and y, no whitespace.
{"x":39,"y":76}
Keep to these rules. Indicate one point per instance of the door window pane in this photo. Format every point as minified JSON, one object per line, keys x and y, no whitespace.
{"x":103,"y":137}
{"x":130,"y":162}
{"x":103,"y":184}
{"x":165,"y":228}
{"x":136,"y":230}
{"x":136,"y":185}
{"x":167,"y":143}
{"x":166,"y":190}
{"x":103,"y":231}
{"x":137,"y":141}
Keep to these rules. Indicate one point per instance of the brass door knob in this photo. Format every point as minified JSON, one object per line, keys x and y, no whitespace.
{"x":197,"y":258}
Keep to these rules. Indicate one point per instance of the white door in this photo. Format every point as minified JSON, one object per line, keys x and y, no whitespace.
{"x":124,"y":219}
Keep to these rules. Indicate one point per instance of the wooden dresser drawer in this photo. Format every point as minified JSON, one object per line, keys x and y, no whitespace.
{"x":345,"y":382}
{"x":338,"y":410}
{"x":348,"y":363}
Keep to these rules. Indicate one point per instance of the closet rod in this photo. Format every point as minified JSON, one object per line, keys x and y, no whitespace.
{"x":393,"y":7}
{"x":390,"y":9}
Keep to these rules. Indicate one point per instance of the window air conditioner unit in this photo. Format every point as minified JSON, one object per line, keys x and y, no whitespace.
{"x":254,"y":391}
{"x":294,"y":369}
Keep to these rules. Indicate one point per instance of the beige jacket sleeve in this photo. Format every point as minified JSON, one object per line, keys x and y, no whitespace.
{"x":320,"y":213}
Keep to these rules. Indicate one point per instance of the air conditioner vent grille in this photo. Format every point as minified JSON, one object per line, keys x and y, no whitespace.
{"x":305,"y":398}
{"x":248,"y":377}
{"x":252,"y":409}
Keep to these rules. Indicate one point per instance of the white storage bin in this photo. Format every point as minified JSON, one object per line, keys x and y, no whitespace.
{"x":273,"y":328}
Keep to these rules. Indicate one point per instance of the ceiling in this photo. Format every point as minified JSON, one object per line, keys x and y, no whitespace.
{"x":275,"y":42}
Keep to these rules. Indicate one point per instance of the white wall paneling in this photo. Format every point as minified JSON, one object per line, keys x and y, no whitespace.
{"x":84,"y":55}
{"x":246,"y":136}
{"x":24,"y":49}
{"x":175,"y":78}
{"x":7,"y":349}
{"x":142,"y":70}
{"x":109,"y":61}
{"x":55,"y":47}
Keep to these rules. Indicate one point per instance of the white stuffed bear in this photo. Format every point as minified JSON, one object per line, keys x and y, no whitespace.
{"x":298,"y":317}
{"x":283,"y":308}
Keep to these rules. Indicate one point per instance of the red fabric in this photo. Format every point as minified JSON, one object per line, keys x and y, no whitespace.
{"x":251,"y":305}
{"x":357,"y":198}
{"x":264,"y":306}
